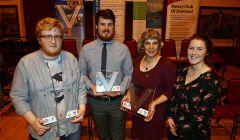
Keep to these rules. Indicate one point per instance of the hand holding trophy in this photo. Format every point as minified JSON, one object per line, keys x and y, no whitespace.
{"x":140,"y":99}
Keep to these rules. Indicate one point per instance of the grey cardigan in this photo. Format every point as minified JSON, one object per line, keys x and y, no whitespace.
{"x":32,"y":90}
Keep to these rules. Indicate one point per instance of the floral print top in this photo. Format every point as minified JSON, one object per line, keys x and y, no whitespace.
{"x":192,"y":104}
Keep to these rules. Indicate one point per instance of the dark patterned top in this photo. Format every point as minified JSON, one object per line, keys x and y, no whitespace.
{"x":192,"y":104}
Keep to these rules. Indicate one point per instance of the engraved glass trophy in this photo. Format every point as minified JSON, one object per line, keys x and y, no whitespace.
{"x":140,"y":99}
{"x":107,"y":83}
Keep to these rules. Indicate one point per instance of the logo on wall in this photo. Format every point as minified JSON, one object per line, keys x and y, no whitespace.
{"x":70,"y":12}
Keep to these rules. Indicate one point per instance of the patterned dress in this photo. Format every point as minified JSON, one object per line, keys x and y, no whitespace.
{"x":192,"y":104}
{"x":162,"y":77}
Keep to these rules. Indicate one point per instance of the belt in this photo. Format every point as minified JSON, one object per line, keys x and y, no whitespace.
{"x":106,"y":98}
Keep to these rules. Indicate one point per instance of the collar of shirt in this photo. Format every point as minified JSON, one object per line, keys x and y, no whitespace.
{"x":100,"y":42}
{"x":57,"y":60}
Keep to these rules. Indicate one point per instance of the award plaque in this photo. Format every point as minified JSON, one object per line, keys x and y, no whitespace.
{"x":106,"y":82}
{"x":140,"y":99}
{"x":58,"y":116}
{"x":51,"y":121}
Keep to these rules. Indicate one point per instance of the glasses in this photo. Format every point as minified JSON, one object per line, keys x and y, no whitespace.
{"x":50,"y":37}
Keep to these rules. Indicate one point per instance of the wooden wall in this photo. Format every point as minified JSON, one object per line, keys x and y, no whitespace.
{"x":220,"y":3}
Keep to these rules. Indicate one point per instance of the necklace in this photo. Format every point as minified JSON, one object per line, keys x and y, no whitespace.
{"x":149,"y":63}
{"x":191,"y":75}
{"x":194,"y":74}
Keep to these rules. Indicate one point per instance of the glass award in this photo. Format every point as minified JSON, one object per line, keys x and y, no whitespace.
{"x":140,"y":99}
{"x":107,"y":82}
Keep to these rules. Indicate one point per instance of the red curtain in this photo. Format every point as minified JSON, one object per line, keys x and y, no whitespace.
{"x":34,"y":10}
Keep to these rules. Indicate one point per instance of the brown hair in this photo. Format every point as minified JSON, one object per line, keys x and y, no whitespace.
{"x":105,"y":14}
{"x":208,"y":43}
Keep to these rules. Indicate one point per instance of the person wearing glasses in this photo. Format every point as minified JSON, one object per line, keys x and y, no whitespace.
{"x":111,"y":61}
{"x":47,"y":88}
{"x":195,"y":94}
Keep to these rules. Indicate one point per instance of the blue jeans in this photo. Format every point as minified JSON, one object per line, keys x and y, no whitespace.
{"x":108,"y":118}
{"x":72,"y":136}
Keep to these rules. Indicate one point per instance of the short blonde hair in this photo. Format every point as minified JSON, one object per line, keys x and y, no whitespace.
{"x":48,"y":24}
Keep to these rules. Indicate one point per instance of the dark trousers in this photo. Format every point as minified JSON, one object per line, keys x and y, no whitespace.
{"x":108,"y":118}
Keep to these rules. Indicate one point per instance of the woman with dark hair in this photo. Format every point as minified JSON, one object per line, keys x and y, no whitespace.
{"x":195,"y":94}
{"x":152,"y":71}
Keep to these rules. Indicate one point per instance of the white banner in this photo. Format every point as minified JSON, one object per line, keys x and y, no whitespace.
{"x":182,"y":19}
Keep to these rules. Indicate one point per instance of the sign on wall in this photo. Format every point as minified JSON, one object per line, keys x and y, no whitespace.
{"x":70,"y":13}
{"x":139,"y":18}
{"x":147,"y":14}
{"x":182,"y":19}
